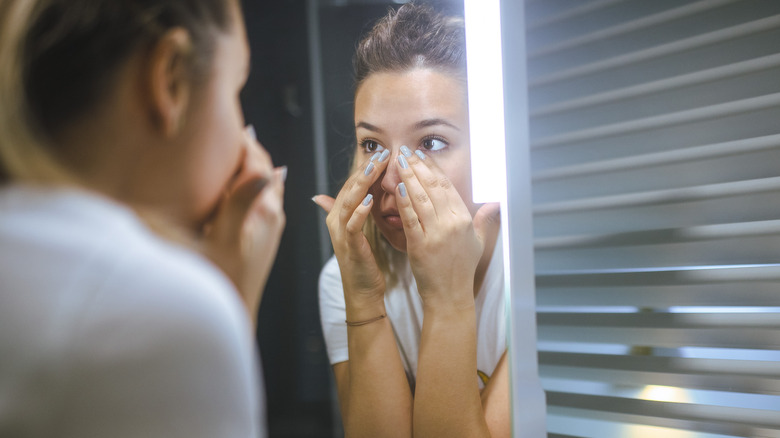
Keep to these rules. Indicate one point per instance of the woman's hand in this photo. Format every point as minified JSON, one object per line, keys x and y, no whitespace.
{"x":244,"y":235}
{"x":363,"y":281}
{"x":443,"y":242}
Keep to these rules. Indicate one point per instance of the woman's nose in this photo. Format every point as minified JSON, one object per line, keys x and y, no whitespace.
{"x":391,"y":178}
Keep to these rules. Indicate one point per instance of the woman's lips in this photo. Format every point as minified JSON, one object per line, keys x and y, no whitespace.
{"x":393,"y":220}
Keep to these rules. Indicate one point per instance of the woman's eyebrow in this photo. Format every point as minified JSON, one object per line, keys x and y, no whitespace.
{"x":433,"y":122}
{"x":369,"y":126}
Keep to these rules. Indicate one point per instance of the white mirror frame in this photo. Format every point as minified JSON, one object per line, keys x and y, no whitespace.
{"x":495,"y":41}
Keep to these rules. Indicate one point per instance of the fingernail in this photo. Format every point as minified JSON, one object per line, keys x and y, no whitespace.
{"x":402,"y":162}
{"x":405,"y":150}
{"x":367,"y":199}
{"x":375,"y":156}
{"x":420,"y":154}
{"x":385,"y":154}
{"x":402,"y":189}
{"x":284,"y":173}
{"x":369,"y":168}
{"x":314,"y":199}
{"x":251,"y":131}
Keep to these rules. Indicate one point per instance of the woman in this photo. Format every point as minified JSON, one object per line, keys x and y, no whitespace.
{"x":119,"y":117}
{"x":409,"y":242}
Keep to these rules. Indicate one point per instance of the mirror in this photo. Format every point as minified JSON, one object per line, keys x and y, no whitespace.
{"x":300,"y":94}
{"x":338,"y":26}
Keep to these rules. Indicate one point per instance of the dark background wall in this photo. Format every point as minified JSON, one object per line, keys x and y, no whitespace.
{"x":277,"y":100}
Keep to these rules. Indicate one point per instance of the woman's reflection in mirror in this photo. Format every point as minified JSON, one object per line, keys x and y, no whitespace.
{"x":412,"y":303}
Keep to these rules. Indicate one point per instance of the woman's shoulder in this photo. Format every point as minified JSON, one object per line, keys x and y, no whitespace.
{"x":78,"y":267}
{"x":92,"y":296}
{"x":56,"y":239}
{"x":72,"y":259}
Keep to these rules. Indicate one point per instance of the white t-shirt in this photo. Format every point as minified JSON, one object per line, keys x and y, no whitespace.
{"x":107,"y":330}
{"x":405,"y":311}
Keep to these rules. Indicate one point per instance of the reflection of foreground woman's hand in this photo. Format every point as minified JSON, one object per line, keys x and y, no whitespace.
{"x":374,"y":376}
{"x":244,"y":235}
{"x":364,"y":283}
{"x":444,"y":246}
{"x":444,"y":243}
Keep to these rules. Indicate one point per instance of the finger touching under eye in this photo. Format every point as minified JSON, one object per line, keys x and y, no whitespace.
{"x":412,"y":227}
{"x":416,"y":194}
{"x":355,"y":189}
{"x":443,"y":194}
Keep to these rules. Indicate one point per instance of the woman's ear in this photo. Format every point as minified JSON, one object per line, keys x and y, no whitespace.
{"x":169,"y":80}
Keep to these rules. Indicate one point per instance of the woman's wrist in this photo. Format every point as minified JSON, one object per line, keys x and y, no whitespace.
{"x":358,"y":310}
{"x":448,"y":298}
{"x":448,"y":309}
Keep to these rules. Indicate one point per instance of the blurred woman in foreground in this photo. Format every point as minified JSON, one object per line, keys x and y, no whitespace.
{"x":138,"y":221}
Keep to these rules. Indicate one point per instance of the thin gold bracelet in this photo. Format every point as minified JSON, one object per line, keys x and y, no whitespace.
{"x":368,"y":321}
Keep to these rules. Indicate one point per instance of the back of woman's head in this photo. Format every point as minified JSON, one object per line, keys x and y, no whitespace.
{"x":413,"y":36}
{"x":59,"y":57}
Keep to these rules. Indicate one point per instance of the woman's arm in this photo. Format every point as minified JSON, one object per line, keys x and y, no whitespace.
{"x":447,"y":398}
{"x":496,"y":402}
{"x":373,"y":391}
{"x":444,"y":245}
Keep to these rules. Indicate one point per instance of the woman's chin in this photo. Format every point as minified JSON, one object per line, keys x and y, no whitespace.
{"x":396,"y":239}
{"x":399,"y":247}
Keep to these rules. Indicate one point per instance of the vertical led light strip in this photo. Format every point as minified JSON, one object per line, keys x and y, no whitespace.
{"x":486,"y":100}
{"x":489,"y":181}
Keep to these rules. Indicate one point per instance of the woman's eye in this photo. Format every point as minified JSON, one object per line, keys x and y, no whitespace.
{"x":371,"y":146}
{"x":433,"y":144}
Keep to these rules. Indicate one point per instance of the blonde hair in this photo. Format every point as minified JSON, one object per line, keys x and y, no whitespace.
{"x":23,"y":155}
{"x":58,"y":58}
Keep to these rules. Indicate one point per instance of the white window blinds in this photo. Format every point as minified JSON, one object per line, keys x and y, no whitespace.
{"x":655,"y":151}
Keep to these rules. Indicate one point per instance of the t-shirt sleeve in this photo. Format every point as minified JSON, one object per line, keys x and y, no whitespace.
{"x":161,"y":355}
{"x":333,"y":312}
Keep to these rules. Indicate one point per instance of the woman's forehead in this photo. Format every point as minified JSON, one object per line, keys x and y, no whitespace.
{"x":414,"y":96}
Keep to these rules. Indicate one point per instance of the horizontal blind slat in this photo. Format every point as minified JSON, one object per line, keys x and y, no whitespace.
{"x":734,"y":338}
{"x":655,"y":122}
{"x":716,"y":419}
{"x":680,"y":365}
{"x":661,"y":320}
{"x":631,"y":26}
{"x":723,"y":294}
{"x":675,"y":156}
{"x":699,"y":77}
{"x":757,"y":377}
{"x":668,"y":235}
{"x":659,"y":51}
{"x":678,"y":275}
{"x":683,"y":194}
{"x":619,"y":376}
{"x":571,"y":13}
